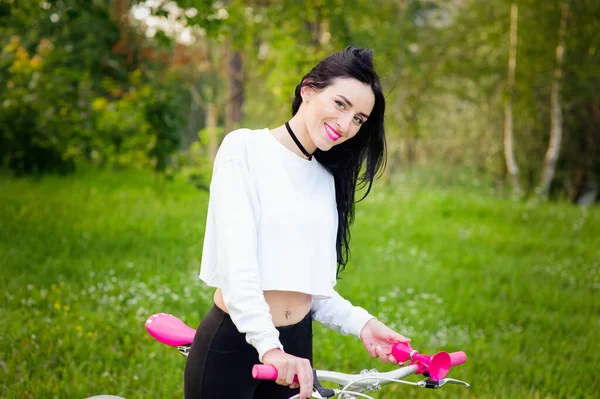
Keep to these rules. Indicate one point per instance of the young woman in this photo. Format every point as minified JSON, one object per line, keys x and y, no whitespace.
{"x":277,"y":235}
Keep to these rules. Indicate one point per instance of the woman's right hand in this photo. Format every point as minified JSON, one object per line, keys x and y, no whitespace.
{"x":289,"y":366}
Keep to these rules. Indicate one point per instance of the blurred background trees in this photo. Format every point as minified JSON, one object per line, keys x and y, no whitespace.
{"x":157,"y":84}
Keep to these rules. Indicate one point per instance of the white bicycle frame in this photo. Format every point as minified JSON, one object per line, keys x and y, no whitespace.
{"x":352,"y":386}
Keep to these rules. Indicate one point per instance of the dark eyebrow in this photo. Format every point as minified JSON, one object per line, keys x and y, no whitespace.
{"x":350,"y":104}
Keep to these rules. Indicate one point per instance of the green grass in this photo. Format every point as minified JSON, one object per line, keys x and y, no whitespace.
{"x":85,"y":259}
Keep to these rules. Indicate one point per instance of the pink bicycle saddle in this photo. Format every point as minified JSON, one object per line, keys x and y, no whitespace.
{"x":169,"y":330}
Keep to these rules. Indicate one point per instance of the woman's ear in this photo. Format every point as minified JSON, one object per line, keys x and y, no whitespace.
{"x":306,"y":90}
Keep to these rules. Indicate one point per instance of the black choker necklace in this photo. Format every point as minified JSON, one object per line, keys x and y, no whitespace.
{"x":306,"y":154}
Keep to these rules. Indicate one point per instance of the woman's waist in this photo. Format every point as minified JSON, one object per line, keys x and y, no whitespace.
{"x":286,"y":307}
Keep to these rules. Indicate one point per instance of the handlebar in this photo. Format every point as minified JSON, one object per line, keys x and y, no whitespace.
{"x":437,"y":365}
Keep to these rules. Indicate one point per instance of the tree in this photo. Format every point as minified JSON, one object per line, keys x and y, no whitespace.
{"x":556,"y":130}
{"x":511,"y":164}
{"x":82,"y":86}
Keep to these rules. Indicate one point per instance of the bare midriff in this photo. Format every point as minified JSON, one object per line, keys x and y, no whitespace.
{"x":287,"y":307}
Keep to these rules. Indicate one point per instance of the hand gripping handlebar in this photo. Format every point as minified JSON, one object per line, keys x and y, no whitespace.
{"x":437,"y":365}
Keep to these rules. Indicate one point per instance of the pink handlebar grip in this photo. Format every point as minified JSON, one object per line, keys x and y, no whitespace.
{"x":264,"y":372}
{"x":458,"y":358}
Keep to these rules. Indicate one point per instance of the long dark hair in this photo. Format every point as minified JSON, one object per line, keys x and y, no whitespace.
{"x":367,"y":148}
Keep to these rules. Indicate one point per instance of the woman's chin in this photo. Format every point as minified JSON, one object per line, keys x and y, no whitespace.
{"x":322,"y":142}
{"x":325,"y":147}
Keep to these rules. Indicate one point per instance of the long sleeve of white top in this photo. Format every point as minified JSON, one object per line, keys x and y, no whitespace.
{"x":340,"y":315}
{"x":235,"y":206}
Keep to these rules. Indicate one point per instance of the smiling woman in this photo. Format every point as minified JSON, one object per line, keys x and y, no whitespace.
{"x":331,"y":118}
{"x":277,"y":235}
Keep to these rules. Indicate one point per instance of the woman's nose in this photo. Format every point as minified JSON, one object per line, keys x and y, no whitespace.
{"x":343,"y":125}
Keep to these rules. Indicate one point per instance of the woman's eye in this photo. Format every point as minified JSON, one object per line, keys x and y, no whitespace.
{"x":358,"y":120}
{"x":340,"y":104}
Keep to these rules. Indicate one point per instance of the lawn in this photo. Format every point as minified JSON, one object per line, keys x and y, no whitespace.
{"x":86,"y":259}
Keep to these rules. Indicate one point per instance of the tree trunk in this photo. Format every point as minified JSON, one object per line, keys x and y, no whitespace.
{"x":211,"y":127}
{"x":191,"y":131}
{"x":120,"y":11}
{"x":556,"y":114}
{"x":509,"y":155}
{"x":235,"y":90}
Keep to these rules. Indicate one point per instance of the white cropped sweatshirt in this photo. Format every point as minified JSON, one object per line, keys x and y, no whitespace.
{"x":272,"y":225}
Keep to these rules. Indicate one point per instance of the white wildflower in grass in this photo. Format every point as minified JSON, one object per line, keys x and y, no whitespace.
{"x":142,"y":313}
{"x":418,"y":314}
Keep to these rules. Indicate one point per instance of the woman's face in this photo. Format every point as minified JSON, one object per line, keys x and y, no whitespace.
{"x":335,"y":114}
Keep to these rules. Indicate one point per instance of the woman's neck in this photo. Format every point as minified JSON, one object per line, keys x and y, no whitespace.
{"x":298,"y":126}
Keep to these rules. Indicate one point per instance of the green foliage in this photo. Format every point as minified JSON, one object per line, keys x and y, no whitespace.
{"x":41,"y":123}
{"x":51,"y":63}
{"x":194,"y":165}
{"x":471,"y":79}
{"x":66,"y":66}
{"x":123,"y":135}
{"x":71,"y":98}
{"x":86,"y":259}
{"x":163,"y":112}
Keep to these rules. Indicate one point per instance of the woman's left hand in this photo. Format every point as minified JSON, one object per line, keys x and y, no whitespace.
{"x":378,"y":339}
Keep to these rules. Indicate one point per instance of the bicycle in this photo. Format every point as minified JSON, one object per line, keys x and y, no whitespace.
{"x":172,"y":331}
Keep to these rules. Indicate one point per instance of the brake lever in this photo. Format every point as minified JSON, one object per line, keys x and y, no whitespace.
{"x":433,"y":384}
{"x":324,"y":392}
{"x":456,"y":382}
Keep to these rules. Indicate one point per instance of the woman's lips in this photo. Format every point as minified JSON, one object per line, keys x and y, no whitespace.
{"x":332,"y":133}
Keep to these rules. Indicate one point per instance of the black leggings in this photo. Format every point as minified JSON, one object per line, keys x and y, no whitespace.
{"x":220,"y":361}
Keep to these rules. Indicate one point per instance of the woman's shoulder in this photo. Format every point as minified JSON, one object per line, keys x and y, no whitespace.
{"x":238,"y":143}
